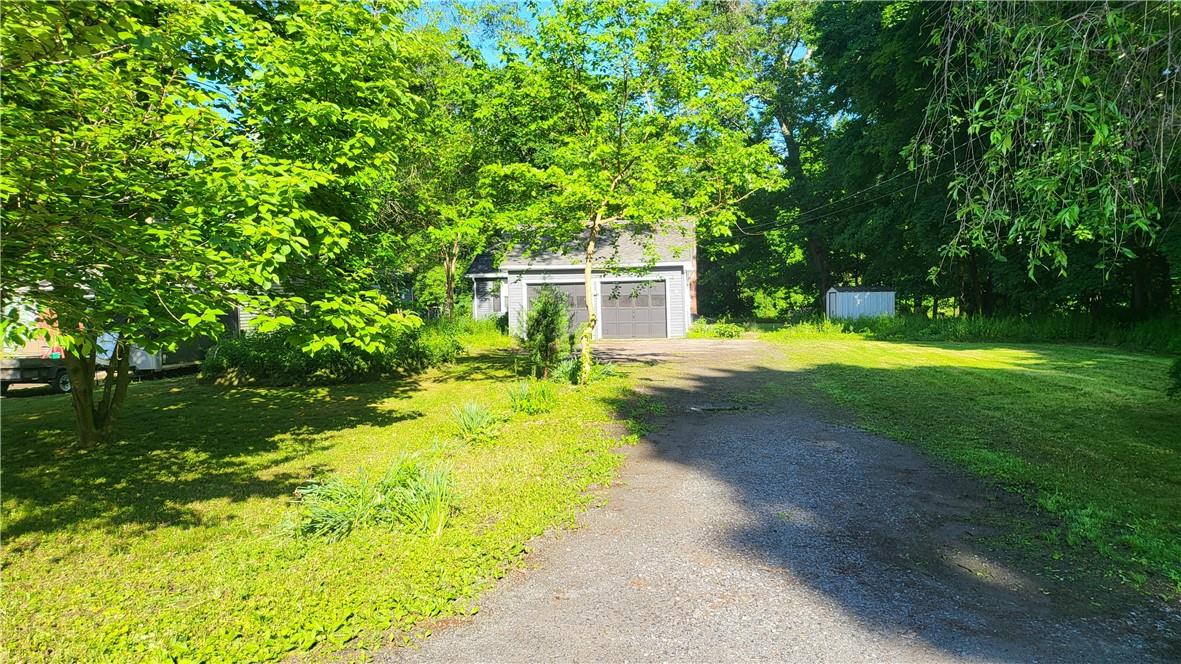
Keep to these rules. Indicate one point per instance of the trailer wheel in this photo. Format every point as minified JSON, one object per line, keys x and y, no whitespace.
{"x":3,"y":389}
{"x":61,"y":382}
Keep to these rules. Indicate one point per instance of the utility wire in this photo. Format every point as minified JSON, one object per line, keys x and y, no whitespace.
{"x":782,"y":224}
{"x":773,"y":225}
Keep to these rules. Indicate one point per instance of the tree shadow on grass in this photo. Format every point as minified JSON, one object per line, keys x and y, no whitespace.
{"x":491,"y":365}
{"x":178,"y":443}
{"x":907,"y":546}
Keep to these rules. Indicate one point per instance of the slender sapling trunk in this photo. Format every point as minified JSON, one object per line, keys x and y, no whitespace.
{"x":588,"y":332}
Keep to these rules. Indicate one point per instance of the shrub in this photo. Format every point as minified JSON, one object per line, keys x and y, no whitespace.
{"x":1175,"y":378}
{"x":703,"y":329}
{"x":474,"y":422}
{"x":269,"y":359}
{"x":407,"y":496}
{"x":532,"y":397}
{"x":429,"y":346}
{"x":547,"y":323}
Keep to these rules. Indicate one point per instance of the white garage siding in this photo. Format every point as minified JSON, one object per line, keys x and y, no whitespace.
{"x":673,"y":276}
{"x":852,"y":303}
{"x":245,"y":320}
{"x":678,"y":301}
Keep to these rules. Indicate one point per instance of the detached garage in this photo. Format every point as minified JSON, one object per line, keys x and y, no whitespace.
{"x":642,"y":287}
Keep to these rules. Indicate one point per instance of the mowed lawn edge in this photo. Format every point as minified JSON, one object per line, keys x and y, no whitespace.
{"x":1086,"y":433}
{"x":170,"y":543}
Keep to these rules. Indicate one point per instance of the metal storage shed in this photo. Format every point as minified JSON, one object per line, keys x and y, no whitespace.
{"x":859,"y":302}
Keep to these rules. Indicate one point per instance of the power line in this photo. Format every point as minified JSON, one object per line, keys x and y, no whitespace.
{"x":782,"y":224}
{"x":821,"y":207}
{"x":773,"y":225}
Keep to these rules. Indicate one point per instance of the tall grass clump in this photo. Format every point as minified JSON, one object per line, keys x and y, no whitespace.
{"x":407,"y":496}
{"x":567,"y":370}
{"x":475,"y":423}
{"x":813,"y":329}
{"x":472,"y":332}
{"x":532,"y":397}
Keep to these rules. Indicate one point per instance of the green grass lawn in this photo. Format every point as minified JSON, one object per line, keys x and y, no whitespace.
{"x":170,"y":545}
{"x":1086,"y":433}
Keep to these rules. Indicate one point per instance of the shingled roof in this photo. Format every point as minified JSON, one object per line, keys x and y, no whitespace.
{"x":670,"y":244}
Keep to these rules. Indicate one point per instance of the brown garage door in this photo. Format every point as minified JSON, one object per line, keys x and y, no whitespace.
{"x":575,"y":300}
{"x":634,"y":309}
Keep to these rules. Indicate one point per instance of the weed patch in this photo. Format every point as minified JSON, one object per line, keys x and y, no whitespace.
{"x":532,"y":397}
{"x":566,"y":371}
{"x":703,"y":329}
{"x":407,"y":496}
{"x":475,"y":423}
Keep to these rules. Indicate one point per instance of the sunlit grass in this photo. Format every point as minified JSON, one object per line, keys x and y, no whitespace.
{"x":169,"y":543}
{"x":1087,"y":433}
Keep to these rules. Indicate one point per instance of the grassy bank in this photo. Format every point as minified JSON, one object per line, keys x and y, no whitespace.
{"x":174,"y":542}
{"x":1158,"y":335}
{"x":1087,"y":433}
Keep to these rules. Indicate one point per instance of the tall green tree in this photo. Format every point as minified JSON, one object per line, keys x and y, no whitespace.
{"x":334,"y":88}
{"x":1070,"y":111}
{"x":634,"y":121}
{"x":135,"y":203}
{"x":439,"y":195}
{"x":860,"y":81}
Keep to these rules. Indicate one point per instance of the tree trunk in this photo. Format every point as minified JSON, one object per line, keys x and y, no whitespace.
{"x":81,"y":371}
{"x":1150,"y":283}
{"x":588,"y":332}
{"x":793,"y":163}
{"x":819,"y":261}
{"x":450,"y":260}
{"x":976,"y":302}
{"x":96,"y":417}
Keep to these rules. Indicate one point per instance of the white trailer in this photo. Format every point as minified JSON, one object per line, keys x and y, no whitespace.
{"x":143,"y":363}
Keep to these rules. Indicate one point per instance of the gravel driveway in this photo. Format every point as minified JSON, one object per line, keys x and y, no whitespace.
{"x":770,"y":533}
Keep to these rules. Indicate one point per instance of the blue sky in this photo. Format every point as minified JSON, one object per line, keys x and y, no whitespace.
{"x":443,"y":13}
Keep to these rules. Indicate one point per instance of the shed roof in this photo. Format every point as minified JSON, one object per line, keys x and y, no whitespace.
{"x":860,"y":289}
{"x":671,"y":243}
